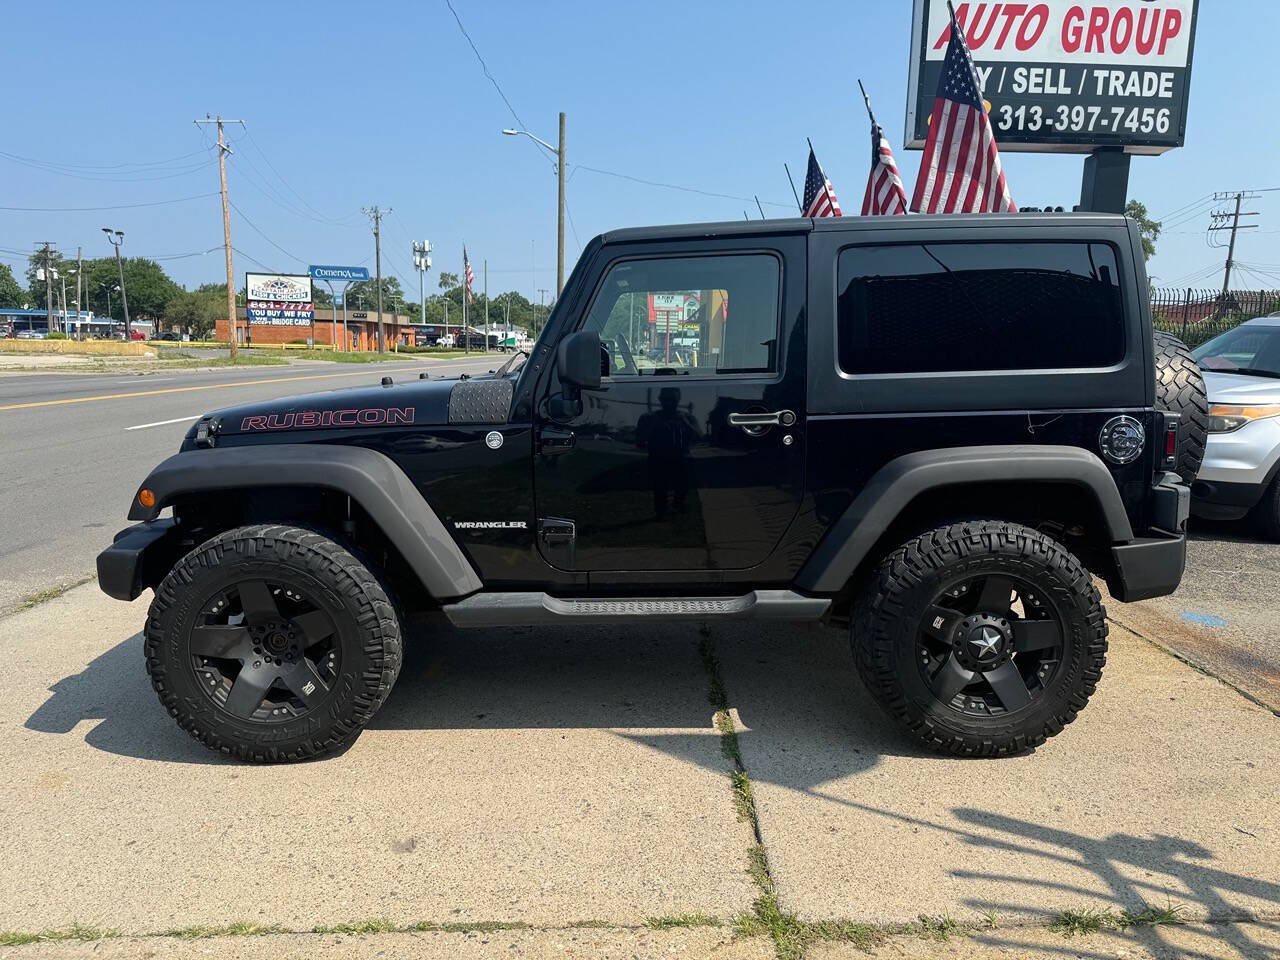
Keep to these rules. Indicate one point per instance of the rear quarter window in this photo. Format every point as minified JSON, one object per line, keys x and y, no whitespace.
{"x":954,"y":307}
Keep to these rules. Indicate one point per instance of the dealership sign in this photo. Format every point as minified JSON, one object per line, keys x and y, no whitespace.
{"x":1064,"y":77}
{"x":279,"y":299}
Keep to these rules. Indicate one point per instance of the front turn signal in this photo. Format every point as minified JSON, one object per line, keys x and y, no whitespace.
{"x":147,"y":498}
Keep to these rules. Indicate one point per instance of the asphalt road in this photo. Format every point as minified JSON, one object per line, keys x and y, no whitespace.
{"x":74,"y":446}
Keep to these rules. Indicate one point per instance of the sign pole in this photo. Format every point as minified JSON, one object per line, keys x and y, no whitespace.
{"x":1104,"y":188}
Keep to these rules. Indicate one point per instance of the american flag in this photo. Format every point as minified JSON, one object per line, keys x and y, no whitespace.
{"x":466,"y":269}
{"x":960,"y":170}
{"x":819,"y":197}
{"x":885,"y":194}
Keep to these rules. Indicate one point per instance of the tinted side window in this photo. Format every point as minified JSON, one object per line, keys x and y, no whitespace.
{"x":698,"y":316}
{"x":923,"y":308}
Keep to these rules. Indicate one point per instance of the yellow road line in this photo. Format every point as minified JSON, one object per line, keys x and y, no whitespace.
{"x":203,"y":386}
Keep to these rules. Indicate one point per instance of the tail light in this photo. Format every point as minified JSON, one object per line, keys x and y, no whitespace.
{"x":1170,"y":441}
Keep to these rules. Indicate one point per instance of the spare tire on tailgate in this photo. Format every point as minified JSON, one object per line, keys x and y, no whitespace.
{"x":1180,"y":389}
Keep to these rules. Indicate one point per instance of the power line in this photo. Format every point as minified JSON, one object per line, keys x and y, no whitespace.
{"x":259,"y":232}
{"x":676,"y":186}
{"x":289,"y":186}
{"x":104,"y":166}
{"x":120,"y":206}
{"x":126,"y":177}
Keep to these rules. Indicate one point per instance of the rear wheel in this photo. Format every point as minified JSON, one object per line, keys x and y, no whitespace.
{"x":981,"y":638}
{"x":272,"y":643}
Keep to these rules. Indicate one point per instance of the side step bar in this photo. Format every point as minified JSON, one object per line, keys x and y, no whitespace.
{"x":527,"y":609}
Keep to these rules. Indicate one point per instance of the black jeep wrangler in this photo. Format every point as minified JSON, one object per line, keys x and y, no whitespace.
{"x":932,"y":430}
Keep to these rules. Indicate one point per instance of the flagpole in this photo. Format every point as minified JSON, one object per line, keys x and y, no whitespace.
{"x":825,"y":189}
{"x":867,"y":101}
{"x":760,"y":208}
{"x":799,"y":205}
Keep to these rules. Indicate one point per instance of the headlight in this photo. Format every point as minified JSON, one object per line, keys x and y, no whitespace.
{"x":1225,"y":419}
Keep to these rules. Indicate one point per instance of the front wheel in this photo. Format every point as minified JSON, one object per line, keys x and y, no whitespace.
{"x":272,"y":643}
{"x":981,"y":638}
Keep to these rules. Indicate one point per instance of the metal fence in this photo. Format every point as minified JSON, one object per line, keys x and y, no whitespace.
{"x":1196,"y":316}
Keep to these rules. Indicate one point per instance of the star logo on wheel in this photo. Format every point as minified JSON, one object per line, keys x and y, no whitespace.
{"x":986,"y":643}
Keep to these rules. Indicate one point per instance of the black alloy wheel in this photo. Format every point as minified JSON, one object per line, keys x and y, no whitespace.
{"x":272,"y":643}
{"x":980,"y":637}
{"x":990,"y":644}
{"x":265,"y":652}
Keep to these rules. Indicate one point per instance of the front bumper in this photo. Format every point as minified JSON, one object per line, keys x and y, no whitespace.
{"x":1152,"y":566}
{"x":1238,"y":467}
{"x":138,"y":558}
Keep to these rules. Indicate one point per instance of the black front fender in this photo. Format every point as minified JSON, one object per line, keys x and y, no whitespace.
{"x":900,"y":481}
{"x":370,"y":478}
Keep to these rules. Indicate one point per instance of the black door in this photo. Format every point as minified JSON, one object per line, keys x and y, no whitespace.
{"x":690,"y":456}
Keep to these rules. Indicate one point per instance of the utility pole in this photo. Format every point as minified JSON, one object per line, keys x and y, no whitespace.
{"x":79,"y":301}
{"x":560,"y":217}
{"x":542,"y":295}
{"x":1219,"y":224}
{"x":233,"y":324}
{"x":116,"y":238}
{"x":376,"y":216}
{"x":486,"y":305}
{"x":46,"y":260}
{"x":63,"y":277}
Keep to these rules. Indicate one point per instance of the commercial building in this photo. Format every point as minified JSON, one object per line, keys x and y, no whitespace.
{"x":361,"y":327}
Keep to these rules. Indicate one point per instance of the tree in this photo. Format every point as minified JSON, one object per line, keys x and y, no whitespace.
{"x":366,"y":292}
{"x":1148,"y":228}
{"x":11,"y":294}
{"x":197,"y":312}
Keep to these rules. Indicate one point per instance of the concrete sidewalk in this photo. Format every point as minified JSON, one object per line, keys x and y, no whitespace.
{"x":513,"y":776}
{"x":572,"y":782}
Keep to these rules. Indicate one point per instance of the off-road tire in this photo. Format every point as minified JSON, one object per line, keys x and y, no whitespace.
{"x":368,"y":632}
{"x":1180,"y":389}
{"x":891,"y":604}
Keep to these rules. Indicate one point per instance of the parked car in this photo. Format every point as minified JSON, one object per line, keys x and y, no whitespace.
{"x":32,"y":334}
{"x":169,"y":335}
{"x":1240,"y":475}
{"x":932,"y":433}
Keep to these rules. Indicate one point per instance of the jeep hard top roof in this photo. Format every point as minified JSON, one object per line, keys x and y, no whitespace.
{"x":731,"y":228}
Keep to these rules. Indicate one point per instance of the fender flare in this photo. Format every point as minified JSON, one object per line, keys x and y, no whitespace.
{"x":898,"y":482}
{"x":370,"y":478}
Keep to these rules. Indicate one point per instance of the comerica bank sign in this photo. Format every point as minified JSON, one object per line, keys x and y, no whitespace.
{"x":348,"y":274}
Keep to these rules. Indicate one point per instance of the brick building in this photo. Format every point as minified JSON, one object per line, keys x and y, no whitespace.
{"x":362,"y":330}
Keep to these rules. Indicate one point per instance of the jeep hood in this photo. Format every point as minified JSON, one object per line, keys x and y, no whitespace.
{"x":422,"y":402}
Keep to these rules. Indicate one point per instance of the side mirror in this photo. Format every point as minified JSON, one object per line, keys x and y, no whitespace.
{"x":578,"y":360}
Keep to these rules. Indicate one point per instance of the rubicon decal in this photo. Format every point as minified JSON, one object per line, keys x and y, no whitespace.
{"x":314,"y":419}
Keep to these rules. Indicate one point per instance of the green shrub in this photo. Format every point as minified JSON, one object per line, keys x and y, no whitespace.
{"x":57,"y":335}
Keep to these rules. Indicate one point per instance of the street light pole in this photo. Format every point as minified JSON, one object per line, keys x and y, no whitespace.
{"x":559,"y":153}
{"x":116,"y":238}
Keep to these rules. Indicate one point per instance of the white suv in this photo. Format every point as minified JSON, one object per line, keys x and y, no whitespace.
{"x":1242,"y":458}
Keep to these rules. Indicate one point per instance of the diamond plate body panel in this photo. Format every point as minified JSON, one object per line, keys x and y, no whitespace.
{"x":480,"y":401}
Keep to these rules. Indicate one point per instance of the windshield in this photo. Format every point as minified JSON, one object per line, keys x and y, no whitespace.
{"x":1252,"y":349}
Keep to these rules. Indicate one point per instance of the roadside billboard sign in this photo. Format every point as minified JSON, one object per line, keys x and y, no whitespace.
{"x":276,"y":299}
{"x":1064,"y":77}
{"x":344,"y":274}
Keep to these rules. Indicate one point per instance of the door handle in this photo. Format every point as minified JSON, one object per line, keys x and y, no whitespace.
{"x":750,"y":421}
{"x":552,"y":442}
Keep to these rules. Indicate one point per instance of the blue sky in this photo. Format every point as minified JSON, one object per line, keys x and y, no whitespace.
{"x":357,"y":104}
